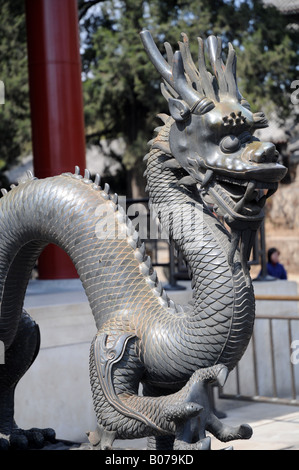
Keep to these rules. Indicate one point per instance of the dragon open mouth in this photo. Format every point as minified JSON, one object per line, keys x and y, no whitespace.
{"x":247,"y":198}
{"x":237,"y":199}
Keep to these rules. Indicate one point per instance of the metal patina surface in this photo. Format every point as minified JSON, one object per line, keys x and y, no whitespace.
{"x":208,"y":179}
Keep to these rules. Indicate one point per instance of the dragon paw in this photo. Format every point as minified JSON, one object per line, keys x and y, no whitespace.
{"x":101,"y":439}
{"x":202,"y":444}
{"x":230,"y":433}
{"x":21,"y":439}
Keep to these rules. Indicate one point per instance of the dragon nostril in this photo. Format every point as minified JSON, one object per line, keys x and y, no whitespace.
{"x":259,"y":157}
{"x":271,"y":153}
{"x":266,"y":153}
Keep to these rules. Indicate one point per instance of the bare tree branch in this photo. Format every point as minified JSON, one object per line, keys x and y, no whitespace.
{"x":83,"y":6}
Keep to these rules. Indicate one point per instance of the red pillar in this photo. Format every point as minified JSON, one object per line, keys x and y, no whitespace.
{"x":56,"y":103}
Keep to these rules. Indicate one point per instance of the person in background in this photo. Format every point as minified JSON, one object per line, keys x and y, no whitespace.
{"x":274,"y":268}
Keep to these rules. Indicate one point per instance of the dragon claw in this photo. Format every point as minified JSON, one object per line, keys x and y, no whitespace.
{"x":245,"y":431}
{"x":222,"y":376}
{"x":202,"y":444}
{"x":4,"y":443}
{"x":21,"y":439}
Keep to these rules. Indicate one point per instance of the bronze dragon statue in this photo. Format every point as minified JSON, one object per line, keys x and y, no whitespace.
{"x":208,"y":179}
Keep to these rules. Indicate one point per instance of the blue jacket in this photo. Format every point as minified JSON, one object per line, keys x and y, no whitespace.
{"x":276,"y":270}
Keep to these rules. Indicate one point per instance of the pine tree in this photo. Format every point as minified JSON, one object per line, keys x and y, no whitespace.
{"x":15,"y":126}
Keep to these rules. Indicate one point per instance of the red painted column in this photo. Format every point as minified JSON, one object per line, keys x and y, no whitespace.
{"x":56,"y":103}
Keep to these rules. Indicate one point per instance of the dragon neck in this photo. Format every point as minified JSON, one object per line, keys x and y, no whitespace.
{"x":223,"y":302}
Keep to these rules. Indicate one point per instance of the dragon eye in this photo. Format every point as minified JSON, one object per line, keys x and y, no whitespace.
{"x":230,"y":144}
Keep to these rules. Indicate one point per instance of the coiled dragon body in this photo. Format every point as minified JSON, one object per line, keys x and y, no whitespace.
{"x":143,"y":337}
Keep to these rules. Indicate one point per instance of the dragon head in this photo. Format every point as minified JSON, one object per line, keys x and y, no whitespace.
{"x":212,"y":134}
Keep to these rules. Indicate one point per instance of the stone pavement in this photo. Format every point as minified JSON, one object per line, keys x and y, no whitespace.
{"x":275,"y":427}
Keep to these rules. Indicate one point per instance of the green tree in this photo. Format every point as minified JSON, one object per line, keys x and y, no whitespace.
{"x":15,"y":127}
{"x":268,"y":60}
{"x":121,"y":87}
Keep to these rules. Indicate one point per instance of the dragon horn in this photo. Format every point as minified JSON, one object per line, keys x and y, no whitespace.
{"x":215,"y":49}
{"x":174,"y":75}
{"x":225,"y":74}
{"x":156,"y":57}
